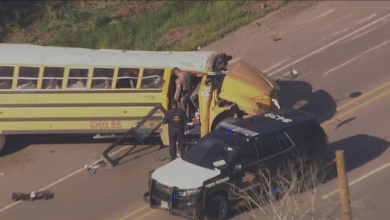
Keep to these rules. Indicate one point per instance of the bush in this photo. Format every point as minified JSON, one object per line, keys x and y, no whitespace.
{"x":173,"y":25}
{"x":288,"y":193}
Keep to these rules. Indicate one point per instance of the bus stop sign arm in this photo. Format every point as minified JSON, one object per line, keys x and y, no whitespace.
{"x":139,"y":137}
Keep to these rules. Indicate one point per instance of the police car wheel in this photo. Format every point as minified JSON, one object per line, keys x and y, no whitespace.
{"x":218,"y":208}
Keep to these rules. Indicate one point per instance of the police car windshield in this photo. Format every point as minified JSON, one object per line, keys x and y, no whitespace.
{"x":210,"y":153}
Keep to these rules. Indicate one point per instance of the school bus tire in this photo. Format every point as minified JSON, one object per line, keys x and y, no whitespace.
{"x":230,"y":115}
{"x":2,"y":141}
{"x":220,"y":118}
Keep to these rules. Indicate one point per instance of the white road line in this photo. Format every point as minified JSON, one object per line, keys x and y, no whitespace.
{"x":234,"y":60}
{"x":330,"y":44}
{"x":335,"y":22}
{"x":276,"y":65}
{"x":319,"y":16}
{"x":359,"y":35}
{"x":65,"y":177}
{"x":366,"y":19}
{"x":358,"y":179}
{"x":339,"y":32}
{"x":360,"y":55}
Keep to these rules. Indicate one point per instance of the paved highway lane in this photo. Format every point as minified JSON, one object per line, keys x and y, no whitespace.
{"x":325,"y":83}
{"x":366,"y":140}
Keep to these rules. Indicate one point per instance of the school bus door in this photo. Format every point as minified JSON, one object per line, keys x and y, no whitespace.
{"x":168,"y":92}
{"x":205,"y":98}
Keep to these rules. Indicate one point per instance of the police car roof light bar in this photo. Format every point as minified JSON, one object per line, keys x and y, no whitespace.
{"x":237,"y":129}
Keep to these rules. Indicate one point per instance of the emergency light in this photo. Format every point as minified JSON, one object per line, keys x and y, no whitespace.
{"x":237,"y":129}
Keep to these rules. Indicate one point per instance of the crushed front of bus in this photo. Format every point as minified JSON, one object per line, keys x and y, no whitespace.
{"x":252,"y":90}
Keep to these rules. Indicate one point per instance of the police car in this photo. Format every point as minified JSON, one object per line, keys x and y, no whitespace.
{"x":190,"y":186}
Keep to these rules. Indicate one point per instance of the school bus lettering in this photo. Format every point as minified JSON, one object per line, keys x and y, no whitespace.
{"x":8,"y":99}
{"x":5,"y":99}
{"x":101,"y":125}
{"x":149,"y":97}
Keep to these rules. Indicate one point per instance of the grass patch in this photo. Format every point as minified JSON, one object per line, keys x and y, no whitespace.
{"x":147,"y":25}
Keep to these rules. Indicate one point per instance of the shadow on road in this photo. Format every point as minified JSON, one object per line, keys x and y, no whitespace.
{"x":359,"y":149}
{"x":300,"y":95}
{"x":16,"y":143}
{"x":125,"y":158}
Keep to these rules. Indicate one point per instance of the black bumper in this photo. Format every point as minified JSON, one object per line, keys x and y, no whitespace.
{"x":187,"y":208}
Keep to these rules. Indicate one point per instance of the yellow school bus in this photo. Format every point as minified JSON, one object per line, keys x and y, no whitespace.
{"x":56,"y":90}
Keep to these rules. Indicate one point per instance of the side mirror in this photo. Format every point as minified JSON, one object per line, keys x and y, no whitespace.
{"x":237,"y":167}
{"x":294,"y":73}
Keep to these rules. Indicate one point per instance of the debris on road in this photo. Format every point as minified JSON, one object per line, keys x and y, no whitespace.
{"x":199,"y":48}
{"x":277,"y":39}
{"x":92,"y":168}
{"x":162,"y":158}
{"x":257,"y":24}
{"x":34,"y":195}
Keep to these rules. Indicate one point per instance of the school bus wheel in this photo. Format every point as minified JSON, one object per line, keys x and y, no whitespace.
{"x":2,"y":141}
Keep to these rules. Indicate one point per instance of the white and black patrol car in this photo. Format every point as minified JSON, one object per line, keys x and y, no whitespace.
{"x":189,"y":187}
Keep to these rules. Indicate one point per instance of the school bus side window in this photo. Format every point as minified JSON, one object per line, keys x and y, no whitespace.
{"x":77,"y":78}
{"x":127,"y":78}
{"x":28,"y":77}
{"x":6,"y":77}
{"x":152,"y":79}
{"x":102,"y":78}
{"x":53,"y":77}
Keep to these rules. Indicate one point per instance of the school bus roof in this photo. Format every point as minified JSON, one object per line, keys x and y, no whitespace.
{"x":27,"y":54}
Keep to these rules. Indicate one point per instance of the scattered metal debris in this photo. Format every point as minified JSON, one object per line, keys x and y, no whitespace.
{"x":92,"y":168}
{"x":34,"y":195}
{"x":277,"y":39}
{"x":160,"y":159}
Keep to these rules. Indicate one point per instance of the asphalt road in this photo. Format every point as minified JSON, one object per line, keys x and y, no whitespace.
{"x":340,"y":49}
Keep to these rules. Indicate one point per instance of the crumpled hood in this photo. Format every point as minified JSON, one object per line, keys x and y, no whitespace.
{"x":183,"y":175}
{"x":245,"y":84}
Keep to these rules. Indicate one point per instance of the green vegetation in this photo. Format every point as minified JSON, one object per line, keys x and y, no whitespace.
{"x":137,"y":25}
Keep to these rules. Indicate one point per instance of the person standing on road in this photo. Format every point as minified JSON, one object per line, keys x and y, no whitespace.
{"x":183,"y":90}
{"x":176,"y":120}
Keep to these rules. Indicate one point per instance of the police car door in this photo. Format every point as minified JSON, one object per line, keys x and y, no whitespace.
{"x":273,"y":150}
{"x":245,"y":167}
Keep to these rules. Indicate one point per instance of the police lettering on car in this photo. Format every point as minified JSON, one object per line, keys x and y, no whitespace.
{"x":198,"y":185}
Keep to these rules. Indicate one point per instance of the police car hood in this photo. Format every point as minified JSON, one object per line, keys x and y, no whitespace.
{"x":183,"y":175}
